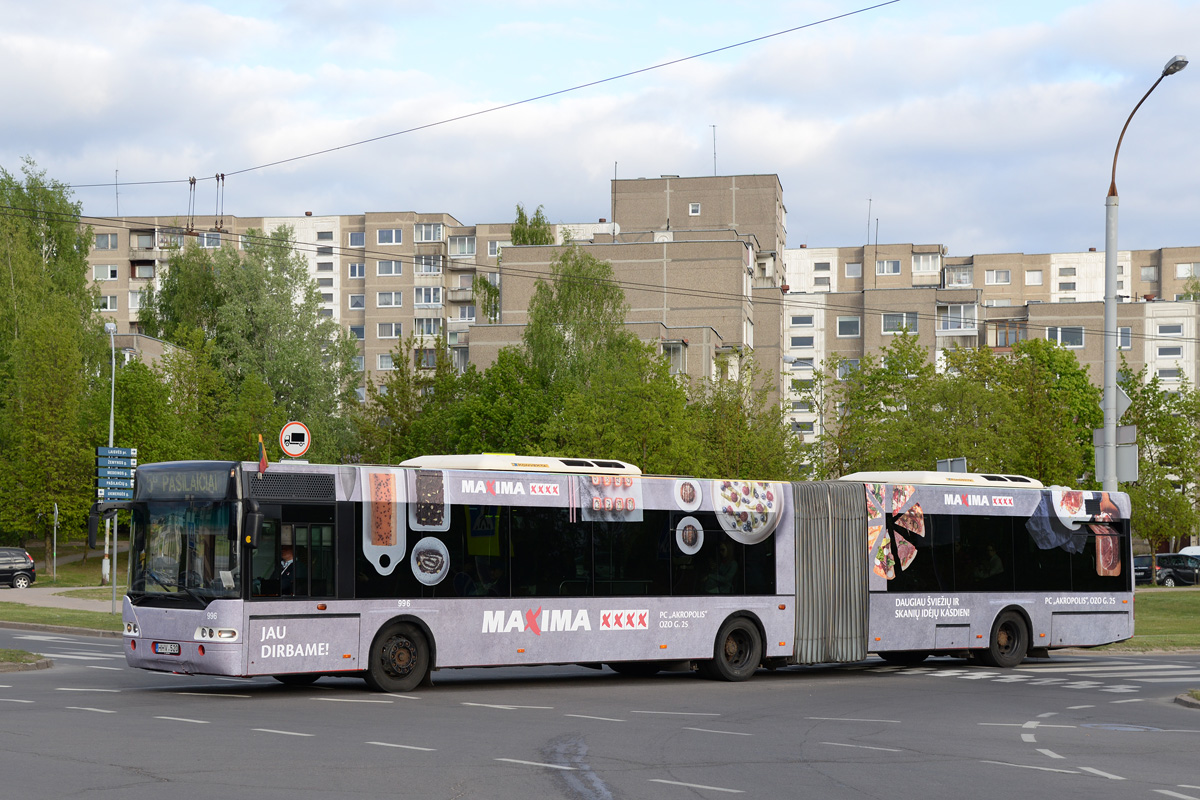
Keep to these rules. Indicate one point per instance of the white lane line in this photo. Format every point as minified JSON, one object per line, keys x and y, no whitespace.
{"x":1047,"y":681}
{"x":1188,"y":786}
{"x":1048,"y":714}
{"x":403,"y":696}
{"x":851,"y":719}
{"x":404,"y":747}
{"x":1003,"y":724}
{"x":1102,"y":773}
{"x":1029,"y":766}
{"x":69,"y":689}
{"x":13,"y":700}
{"x":536,"y":764}
{"x":506,"y":708}
{"x":184,"y":719}
{"x":1033,"y":723}
{"x":1048,"y":753}
{"x":1169,"y":793}
{"x":863,"y":747}
{"x":1130,"y":700}
{"x":235,"y":680}
{"x":727,"y":733}
{"x":1176,"y":679}
{"x":351,"y":700}
{"x":77,"y":658}
{"x":1028,"y":737}
{"x":95,"y":666}
{"x":585,"y":716}
{"x":1128,"y":667}
{"x":215,"y":694}
{"x":1076,"y":708}
{"x":97,"y":710}
{"x":281,"y":733}
{"x":681,"y":713}
{"x":697,"y":786}
{"x":5,"y":686}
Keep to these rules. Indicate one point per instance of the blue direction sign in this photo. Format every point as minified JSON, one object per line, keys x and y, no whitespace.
{"x":120,"y":463}
{"x":114,"y":483}
{"x":115,"y":494}
{"x":117,"y":452}
{"x":114,"y":473}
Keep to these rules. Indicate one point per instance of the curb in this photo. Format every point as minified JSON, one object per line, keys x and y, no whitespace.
{"x":41,"y":663}
{"x":37,"y":626}
{"x":1187,"y":701}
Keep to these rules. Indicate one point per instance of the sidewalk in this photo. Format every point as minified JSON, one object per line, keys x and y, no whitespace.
{"x":51,"y":597}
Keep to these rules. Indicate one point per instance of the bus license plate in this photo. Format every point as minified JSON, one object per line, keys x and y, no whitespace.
{"x":166,"y":648}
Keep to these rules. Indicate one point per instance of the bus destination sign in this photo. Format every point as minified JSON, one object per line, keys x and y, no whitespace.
{"x":178,"y":483}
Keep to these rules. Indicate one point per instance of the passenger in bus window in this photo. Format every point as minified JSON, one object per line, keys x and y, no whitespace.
{"x":723,"y":571}
{"x":990,"y":565}
{"x":286,"y":574}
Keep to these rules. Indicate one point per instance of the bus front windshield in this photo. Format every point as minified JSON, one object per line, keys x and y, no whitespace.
{"x":185,"y":550}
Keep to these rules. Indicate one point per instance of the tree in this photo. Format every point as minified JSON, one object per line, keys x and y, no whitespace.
{"x":531,"y":230}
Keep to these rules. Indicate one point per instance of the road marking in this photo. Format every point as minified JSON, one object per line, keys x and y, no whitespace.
{"x":949,"y":673}
{"x":1028,"y":766}
{"x":78,"y":658}
{"x":979,"y":676}
{"x":1102,"y":773}
{"x":1048,"y":753}
{"x":728,"y":733}
{"x":5,"y":686}
{"x":1176,"y":679}
{"x":95,"y":666}
{"x":404,"y":746}
{"x":1081,"y":685}
{"x":350,"y":700}
{"x":506,"y":708}
{"x":1047,"y":681}
{"x":536,"y":764}
{"x":852,"y":719}
{"x":1188,"y":786}
{"x":1125,"y":667}
{"x":404,"y":696}
{"x":1076,"y":708}
{"x":863,"y":747}
{"x":1022,"y":725}
{"x":281,"y":733}
{"x":184,"y":719}
{"x":1130,"y":700}
{"x":69,"y":689}
{"x":97,"y":710}
{"x":214,"y":694}
{"x":585,"y":716}
{"x":1028,"y":737}
{"x":1033,"y":723}
{"x":697,"y":786}
{"x":1048,"y":714}
{"x":13,"y":700}
{"x":681,"y":713}
{"x":1169,"y":793}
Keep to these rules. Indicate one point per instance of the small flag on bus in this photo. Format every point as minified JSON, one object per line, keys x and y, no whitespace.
{"x":262,"y":455}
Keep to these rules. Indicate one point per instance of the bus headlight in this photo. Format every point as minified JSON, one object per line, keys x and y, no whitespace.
{"x":131,"y":629}
{"x":205,"y":634}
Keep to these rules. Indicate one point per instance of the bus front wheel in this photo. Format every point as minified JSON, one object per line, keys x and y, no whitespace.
{"x":1009,"y":641}
{"x":736,"y":653}
{"x":399,"y":659}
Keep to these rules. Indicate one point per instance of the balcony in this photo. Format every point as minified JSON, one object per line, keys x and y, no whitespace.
{"x":463,"y":294}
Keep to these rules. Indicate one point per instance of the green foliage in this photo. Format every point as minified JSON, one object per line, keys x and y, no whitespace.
{"x":531,"y":230}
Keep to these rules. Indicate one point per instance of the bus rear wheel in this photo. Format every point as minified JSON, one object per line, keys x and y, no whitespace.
{"x":1009,"y":642}
{"x":737,"y":652}
{"x":904,"y":658}
{"x":399,"y":659}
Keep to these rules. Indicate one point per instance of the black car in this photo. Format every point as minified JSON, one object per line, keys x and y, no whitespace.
{"x":1176,"y":569}
{"x":16,"y":567}
{"x":1142,"y":569}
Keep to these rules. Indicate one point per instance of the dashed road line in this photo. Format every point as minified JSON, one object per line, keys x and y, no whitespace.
{"x":585,"y":716}
{"x":351,"y":700}
{"x":97,"y":666}
{"x":1028,"y":737}
{"x":863,"y":747}
{"x":215,"y":694}
{"x":86,"y":708}
{"x":70,"y":689}
{"x":1048,"y":714}
{"x":1077,"y":708}
{"x":727,"y":733}
{"x":13,"y":700}
{"x":1048,"y":753}
{"x":405,"y":747}
{"x":507,"y":708}
{"x":1102,"y":773}
{"x":536,"y":764}
{"x":1130,"y":700}
{"x":185,"y":719}
{"x":698,"y":786}
{"x":1169,"y":793}
{"x":281,"y":733}
{"x":1030,"y":766}
{"x":681,"y":713}
{"x":852,"y":719}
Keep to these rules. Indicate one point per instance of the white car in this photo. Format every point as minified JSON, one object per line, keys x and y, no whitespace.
{"x":1194,"y":550}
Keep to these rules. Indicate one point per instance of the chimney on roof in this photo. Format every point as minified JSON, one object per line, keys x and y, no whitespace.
{"x":308,"y":213}
{"x":602,"y":219}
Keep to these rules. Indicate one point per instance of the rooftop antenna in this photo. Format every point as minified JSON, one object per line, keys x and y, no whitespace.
{"x":714,"y":127}
{"x":117,"y":189}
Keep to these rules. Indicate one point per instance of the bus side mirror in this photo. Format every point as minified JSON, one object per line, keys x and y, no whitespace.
{"x":253,"y":523}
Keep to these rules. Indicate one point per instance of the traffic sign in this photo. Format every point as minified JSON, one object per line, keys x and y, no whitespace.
{"x":295,"y":439}
{"x":114,"y":483}
{"x":117,"y":452}
{"x":114,"y":473}
{"x":115,"y":494}
{"x":120,"y":463}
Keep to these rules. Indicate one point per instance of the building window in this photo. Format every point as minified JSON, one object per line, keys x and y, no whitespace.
{"x":801,"y":405}
{"x":1071,"y":337}
{"x":956,"y":317}
{"x":887,"y":267}
{"x":802,"y":321}
{"x":804,"y":363}
{"x":821,"y":266}
{"x":960,"y":277}
{"x":854,"y":269}
{"x":895,"y":322}
{"x":325,"y":312}
{"x":999,"y":302}
{"x":324,"y":250}
{"x":1168,"y":373}
{"x":845,"y":367}
{"x":425,"y":358}
{"x":1187,"y":270}
{"x":997,"y":277}
{"x":360,"y":363}
{"x":135,"y":299}
{"x":324,"y":266}
{"x":427,"y":232}
{"x":358,"y":332}
{"x":849,"y":327}
{"x":105,"y":272}
{"x":427,"y":265}
{"x":325,"y":283}
{"x":385,"y":361}
{"x":1150,"y":274}
{"x":926,"y":262}
{"x":106,"y":241}
{"x":1170,"y":330}
{"x":803,"y":341}
{"x":326,"y":297}
{"x":1033,"y":277}
{"x":388,"y":300}
{"x":427,"y":326}
{"x":389,"y":268}
{"x":1125,"y":339}
{"x":209,"y":239}
{"x":494,"y":248}
{"x":821,"y":282}
{"x":693,"y":209}
{"x":1066,"y":286}
{"x":358,"y":269}
{"x":427,"y":296}
{"x":106,"y":302}
{"x":324,"y":236}
{"x":360,"y":393}
{"x":466,"y":313}
{"x":358,"y":301}
{"x":1066,"y":272}
{"x":389,"y":330}
{"x":389,"y":236}
{"x":357,"y":238}
{"x":803,"y":427}
{"x":1008,"y":333}
{"x":1170,"y":352}
{"x":461,"y":246}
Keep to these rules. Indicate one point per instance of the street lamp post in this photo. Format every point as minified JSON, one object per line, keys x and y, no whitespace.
{"x":111,"y":329}
{"x":1110,"y":296}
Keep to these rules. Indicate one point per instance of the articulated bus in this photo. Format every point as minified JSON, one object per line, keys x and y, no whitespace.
{"x":467,"y":561}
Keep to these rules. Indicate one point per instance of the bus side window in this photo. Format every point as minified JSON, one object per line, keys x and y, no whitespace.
{"x":983,"y":554}
{"x":264,"y":560}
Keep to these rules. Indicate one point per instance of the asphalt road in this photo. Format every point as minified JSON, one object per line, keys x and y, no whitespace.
{"x":1100,"y":726}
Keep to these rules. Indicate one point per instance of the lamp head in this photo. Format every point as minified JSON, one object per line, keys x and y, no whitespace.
{"x":110,"y":328}
{"x":1175,"y":65}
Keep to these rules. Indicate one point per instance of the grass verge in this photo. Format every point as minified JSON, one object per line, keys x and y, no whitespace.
{"x":1163,"y":620}
{"x":18,"y":656}
{"x":95,"y":620}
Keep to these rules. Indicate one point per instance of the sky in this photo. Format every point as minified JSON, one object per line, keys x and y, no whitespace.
{"x":987,"y":127}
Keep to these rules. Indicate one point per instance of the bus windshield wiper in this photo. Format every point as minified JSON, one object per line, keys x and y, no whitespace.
{"x":174,"y":584}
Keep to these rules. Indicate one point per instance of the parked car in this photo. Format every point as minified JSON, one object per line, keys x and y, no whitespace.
{"x":1193,"y":550}
{"x":16,"y":567}
{"x":1142,"y":569}
{"x":1177,"y":569}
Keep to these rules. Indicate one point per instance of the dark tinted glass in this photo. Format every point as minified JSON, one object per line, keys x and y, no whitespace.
{"x":631,"y":558}
{"x":551,"y":555}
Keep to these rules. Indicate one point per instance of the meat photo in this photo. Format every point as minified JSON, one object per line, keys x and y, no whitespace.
{"x":1108,"y":550}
